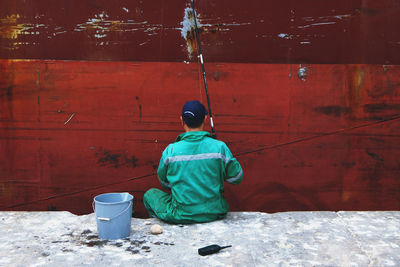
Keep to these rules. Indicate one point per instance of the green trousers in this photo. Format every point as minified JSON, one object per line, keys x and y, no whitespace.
{"x":159,"y":204}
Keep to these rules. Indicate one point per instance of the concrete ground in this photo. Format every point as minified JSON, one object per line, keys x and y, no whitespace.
{"x":257,"y":239}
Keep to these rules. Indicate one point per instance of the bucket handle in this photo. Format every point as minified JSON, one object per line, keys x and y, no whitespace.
{"x":109,"y":219}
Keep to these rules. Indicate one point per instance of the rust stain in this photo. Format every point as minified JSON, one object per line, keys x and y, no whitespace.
{"x":214,"y":28}
{"x":346,"y":195}
{"x":11,"y":29}
{"x":188,"y":31}
{"x":355,"y":83}
{"x":12,"y":19}
{"x":208,"y":30}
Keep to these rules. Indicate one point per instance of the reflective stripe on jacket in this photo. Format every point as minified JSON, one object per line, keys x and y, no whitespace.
{"x":195,"y":168}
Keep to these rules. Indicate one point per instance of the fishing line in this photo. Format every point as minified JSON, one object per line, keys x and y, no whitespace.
{"x":77,"y":192}
{"x":236,"y":155}
{"x":213,"y":134}
{"x":316,"y":136}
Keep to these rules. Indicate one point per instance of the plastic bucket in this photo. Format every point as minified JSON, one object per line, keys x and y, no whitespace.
{"x":113,"y":215}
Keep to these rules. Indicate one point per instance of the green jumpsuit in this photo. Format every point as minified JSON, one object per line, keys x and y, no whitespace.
{"x":194,"y":168}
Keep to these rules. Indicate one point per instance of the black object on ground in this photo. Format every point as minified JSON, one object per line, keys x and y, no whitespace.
{"x":211,"y":249}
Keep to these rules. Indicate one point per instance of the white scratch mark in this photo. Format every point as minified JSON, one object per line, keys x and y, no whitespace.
{"x":144,"y":43}
{"x":236,"y":24}
{"x":316,"y":24}
{"x":309,"y":19}
{"x":342,"y":16}
{"x":72,"y":115}
{"x":57,"y":33}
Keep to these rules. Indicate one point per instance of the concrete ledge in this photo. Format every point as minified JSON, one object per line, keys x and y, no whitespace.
{"x":257,"y":239}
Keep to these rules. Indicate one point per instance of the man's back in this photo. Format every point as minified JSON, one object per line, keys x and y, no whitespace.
{"x":195,"y":167}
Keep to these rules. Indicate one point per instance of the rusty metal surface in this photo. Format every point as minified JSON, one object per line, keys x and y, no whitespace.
{"x":263,"y":31}
{"x":318,"y":131}
{"x":328,"y":139}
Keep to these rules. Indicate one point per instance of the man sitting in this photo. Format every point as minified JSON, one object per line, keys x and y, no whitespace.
{"x":194,"y":168}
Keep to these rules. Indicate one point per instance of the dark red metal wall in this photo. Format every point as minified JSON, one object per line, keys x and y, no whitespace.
{"x":263,"y":31}
{"x":305,"y":93}
{"x":71,"y":130}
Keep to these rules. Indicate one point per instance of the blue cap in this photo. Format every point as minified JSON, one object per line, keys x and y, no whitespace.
{"x":193,"y":113}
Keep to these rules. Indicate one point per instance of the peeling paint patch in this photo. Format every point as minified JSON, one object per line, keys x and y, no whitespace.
{"x":213,"y":26}
{"x":188,"y":31}
{"x":302,"y":73}
{"x":285,"y":36}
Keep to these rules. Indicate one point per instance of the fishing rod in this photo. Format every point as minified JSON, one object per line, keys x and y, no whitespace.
{"x":213,"y":134}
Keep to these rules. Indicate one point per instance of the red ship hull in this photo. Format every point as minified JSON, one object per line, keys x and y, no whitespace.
{"x":90,"y":100}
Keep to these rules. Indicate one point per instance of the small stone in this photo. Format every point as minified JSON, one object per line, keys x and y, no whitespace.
{"x":147,"y":223}
{"x":156,"y":229}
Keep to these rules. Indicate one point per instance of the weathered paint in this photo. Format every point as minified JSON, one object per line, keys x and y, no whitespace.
{"x":261,"y":31}
{"x":70,"y":130}
{"x":317,"y":131}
